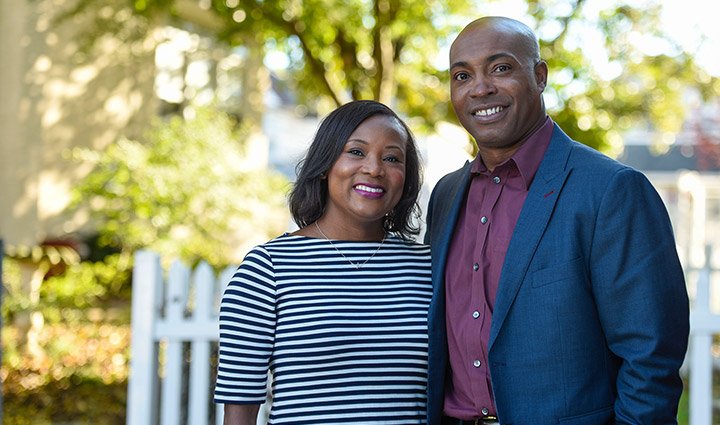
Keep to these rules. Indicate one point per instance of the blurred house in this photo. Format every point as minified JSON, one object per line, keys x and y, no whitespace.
{"x":67,"y":83}
{"x":686,"y":172}
{"x":55,"y":97}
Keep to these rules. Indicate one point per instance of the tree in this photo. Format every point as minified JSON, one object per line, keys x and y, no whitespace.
{"x":337,"y":50}
{"x":388,"y":50}
{"x":645,"y":89}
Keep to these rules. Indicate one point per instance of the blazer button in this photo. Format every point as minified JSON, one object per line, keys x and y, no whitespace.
{"x":476,"y":266}
{"x":483,"y":219}
{"x":477,"y":363}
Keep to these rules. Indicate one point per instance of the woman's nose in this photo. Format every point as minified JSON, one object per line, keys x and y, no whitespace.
{"x":373,"y":166}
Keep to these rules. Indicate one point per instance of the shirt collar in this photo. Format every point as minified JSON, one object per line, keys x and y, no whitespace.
{"x":528,"y":157}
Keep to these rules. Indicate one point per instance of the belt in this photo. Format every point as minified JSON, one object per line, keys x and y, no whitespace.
{"x":485,"y":420}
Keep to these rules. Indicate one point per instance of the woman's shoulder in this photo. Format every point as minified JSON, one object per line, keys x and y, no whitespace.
{"x":287,"y":240}
{"x":264,"y":256}
{"x":288,"y":244}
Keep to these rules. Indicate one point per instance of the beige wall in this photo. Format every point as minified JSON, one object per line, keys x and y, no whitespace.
{"x":55,"y":99}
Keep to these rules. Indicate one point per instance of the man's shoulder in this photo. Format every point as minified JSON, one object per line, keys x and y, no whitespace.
{"x":586,"y":156}
{"x":594,"y":169}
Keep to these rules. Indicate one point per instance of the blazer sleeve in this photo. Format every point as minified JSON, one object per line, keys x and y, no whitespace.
{"x":640,"y":293}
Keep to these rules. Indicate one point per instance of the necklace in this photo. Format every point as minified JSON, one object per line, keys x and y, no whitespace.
{"x":357,"y":265}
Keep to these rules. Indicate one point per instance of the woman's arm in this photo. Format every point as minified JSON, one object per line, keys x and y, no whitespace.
{"x":241,"y":414}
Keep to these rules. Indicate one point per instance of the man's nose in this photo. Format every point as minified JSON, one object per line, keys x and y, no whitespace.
{"x":483,"y":86}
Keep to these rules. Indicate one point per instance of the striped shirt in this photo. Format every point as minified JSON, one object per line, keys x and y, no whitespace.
{"x":344,"y":345}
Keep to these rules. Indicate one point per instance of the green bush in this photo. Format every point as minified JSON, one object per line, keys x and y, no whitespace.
{"x":188,"y":191}
{"x":82,"y":373}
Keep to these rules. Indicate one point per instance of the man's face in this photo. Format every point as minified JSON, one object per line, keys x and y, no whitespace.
{"x":496,"y":86}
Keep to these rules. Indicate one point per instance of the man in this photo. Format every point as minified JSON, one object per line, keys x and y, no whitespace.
{"x":558,"y":294}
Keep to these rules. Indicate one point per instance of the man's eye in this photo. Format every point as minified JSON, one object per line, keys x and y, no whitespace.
{"x":461,"y":76}
{"x":502,"y":68}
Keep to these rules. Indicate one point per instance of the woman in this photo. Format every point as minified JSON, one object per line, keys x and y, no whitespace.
{"x":336,"y":311}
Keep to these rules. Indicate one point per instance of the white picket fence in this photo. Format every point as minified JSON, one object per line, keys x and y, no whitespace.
{"x":171,"y":319}
{"x":175,"y":330}
{"x":704,"y":324}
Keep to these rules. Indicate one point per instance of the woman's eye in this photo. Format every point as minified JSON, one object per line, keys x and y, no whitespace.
{"x":357,"y":152}
{"x":392,"y":159}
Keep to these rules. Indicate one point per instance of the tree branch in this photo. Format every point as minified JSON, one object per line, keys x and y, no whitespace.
{"x":317,"y":67}
{"x":566,"y":21}
{"x":384,"y":49}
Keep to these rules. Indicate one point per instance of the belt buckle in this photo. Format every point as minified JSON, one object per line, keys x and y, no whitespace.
{"x":487,"y":419}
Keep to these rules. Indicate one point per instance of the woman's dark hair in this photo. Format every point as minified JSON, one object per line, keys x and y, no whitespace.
{"x":309,"y":193}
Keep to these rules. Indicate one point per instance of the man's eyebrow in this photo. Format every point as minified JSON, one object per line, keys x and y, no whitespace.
{"x":461,"y":64}
{"x":491,"y":58}
{"x":501,"y":55}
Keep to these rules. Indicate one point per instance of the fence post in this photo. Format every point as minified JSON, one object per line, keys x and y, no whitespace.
{"x":204,"y":280}
{"x":142,"y":383}
{"x":175,"y":302}
{"x":701,"y":362}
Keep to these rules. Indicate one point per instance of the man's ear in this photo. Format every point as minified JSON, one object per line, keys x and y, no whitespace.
{"x":541,"y":73}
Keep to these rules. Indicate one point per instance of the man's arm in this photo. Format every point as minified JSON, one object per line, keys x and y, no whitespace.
{"x":640,"y":293}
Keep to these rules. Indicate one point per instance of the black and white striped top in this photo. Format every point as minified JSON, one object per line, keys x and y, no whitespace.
{"x":344,"y":345}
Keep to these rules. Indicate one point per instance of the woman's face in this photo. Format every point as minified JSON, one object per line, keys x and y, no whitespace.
{"x":367,"y":179}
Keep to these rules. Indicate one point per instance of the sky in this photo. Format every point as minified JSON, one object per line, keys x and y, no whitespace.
{"x":691,"y":20}
{"x":688,"y":22}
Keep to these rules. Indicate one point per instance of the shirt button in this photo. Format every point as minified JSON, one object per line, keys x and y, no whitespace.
{"x":496,"y":179}
{"x":476,"y":314}
{"x":477,"y":363}
{"x":483,"y":219}
{"x":476,"y":266}
{"x":484,"y":411}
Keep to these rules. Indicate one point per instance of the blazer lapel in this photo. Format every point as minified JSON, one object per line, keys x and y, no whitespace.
{"x":450,"y":211}
{"x":534,"y":216}
{"x":446,"y":212}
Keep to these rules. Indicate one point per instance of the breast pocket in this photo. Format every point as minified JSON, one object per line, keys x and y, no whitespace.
{"x":571,"y":270}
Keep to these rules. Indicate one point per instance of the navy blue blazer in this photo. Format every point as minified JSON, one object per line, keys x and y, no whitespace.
{"x":591,"y":319}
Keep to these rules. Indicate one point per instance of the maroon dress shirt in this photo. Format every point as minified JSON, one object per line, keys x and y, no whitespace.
{"x":475,"y":259}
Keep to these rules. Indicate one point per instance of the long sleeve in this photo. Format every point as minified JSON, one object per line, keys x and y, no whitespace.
{"x":640,"y":293}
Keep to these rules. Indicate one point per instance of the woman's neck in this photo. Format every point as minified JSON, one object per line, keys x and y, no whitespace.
{"x":325,"y":228}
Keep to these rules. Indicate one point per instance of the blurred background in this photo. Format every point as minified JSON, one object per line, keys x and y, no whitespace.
{"x":175,"y":126}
